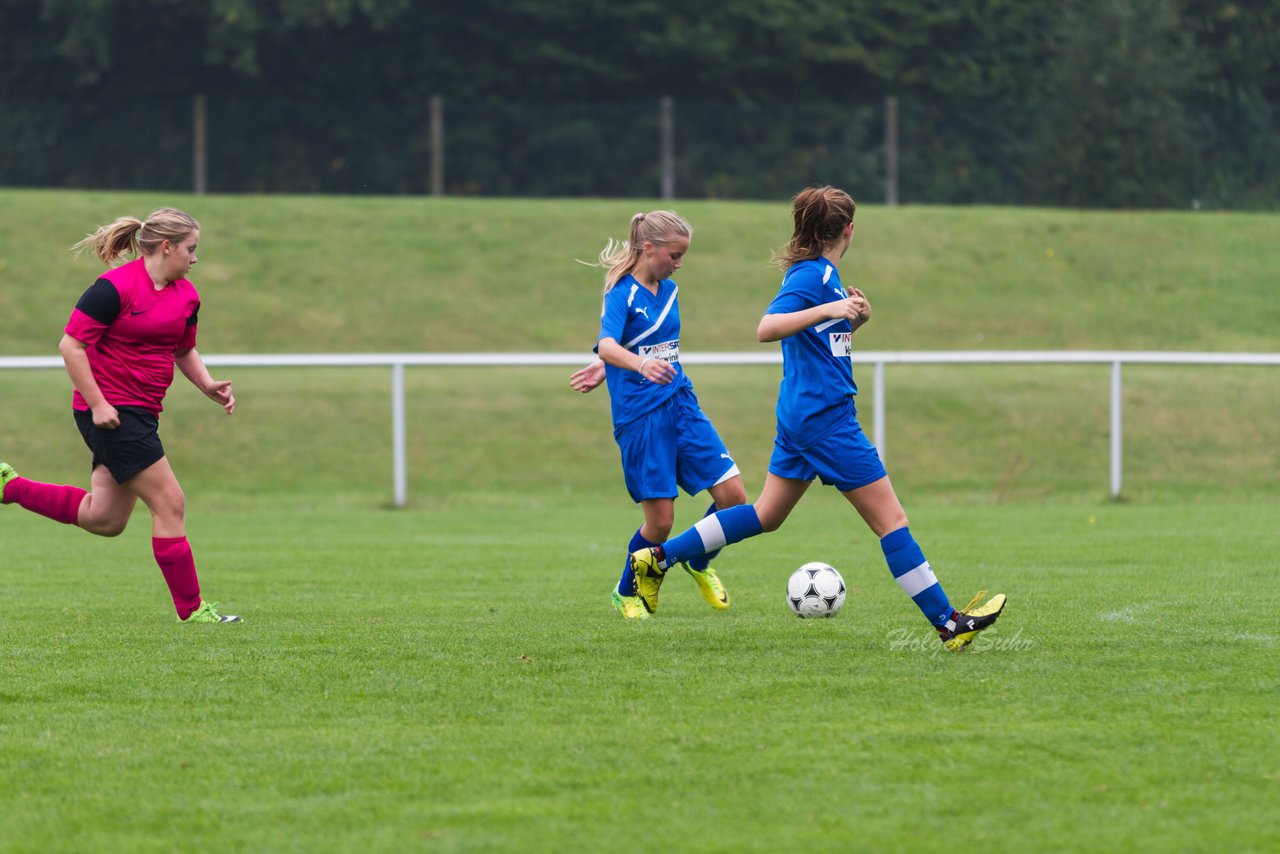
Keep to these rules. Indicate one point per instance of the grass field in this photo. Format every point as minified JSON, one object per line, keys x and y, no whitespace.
{"x":450,"y":677}
{"x":454,"y":680}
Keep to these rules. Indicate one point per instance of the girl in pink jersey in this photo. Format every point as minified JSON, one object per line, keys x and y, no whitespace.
{"x":125,"y":335}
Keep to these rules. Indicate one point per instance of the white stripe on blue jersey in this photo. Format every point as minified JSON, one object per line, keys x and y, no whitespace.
{"x":648,"y":325}
{"x":817,"y":373}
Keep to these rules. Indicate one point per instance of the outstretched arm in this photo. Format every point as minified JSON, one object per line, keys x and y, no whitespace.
{"x":193,"y":368}
{"x":856,"y":309}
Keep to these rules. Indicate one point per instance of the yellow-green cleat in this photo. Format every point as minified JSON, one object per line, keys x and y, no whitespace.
{"x":6,"y":474}
{"x":710,"y":585}
{"x":630,"y":607}
{"x":970,"y":620}
{"x":649,"y":568}
{"x":208,"y":613}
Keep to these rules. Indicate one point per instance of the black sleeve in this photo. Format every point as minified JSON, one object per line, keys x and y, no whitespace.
{"x":195,"y":313}
{"x":101,"y":302}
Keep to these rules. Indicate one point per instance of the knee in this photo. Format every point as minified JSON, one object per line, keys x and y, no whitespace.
{"x":769,"y":522}
{"x":657,"y":527}
{"x":891,"y":524}
{"x":105,"y":527}
{"x":736,"y":495}
{"x":173,"y":507}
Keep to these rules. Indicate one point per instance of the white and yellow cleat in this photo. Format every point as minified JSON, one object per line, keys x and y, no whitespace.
{"x":968,"y":621}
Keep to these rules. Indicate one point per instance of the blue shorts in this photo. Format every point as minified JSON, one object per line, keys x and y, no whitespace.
{"x":672,"y":445}
{"x":845,"y":458}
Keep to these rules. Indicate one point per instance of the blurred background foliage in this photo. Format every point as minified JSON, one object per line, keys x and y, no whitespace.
{"x":1087,"y":103}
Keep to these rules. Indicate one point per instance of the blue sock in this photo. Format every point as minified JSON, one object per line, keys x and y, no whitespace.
{"x":627,"y":583}
{"x":701,"y":562}
{"x":915,"y":576}
{"x":713,"y":533}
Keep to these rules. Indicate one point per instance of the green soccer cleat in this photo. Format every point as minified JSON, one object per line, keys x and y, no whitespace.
{"x":649,"y":568}
{"x":709,"y":583}
{"x":969,"y":621}
{"x":208,"y":613}
{"x":6,"y":474}
{"x":630,"y":607}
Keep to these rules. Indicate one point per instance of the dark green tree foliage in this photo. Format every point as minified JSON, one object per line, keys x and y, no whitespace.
{"x":1114,"y":129}
{"x":1235,"y":100}
{"x":1110,"y":102}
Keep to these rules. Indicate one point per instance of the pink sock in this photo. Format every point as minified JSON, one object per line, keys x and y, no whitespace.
{"x":55,"y":501}
{"x":179,"y":567}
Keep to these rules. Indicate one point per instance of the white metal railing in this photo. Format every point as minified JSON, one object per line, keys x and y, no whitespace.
{"x":878,"y":359}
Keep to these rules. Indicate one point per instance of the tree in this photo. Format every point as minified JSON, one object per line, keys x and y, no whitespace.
{"x":1113,"y":130}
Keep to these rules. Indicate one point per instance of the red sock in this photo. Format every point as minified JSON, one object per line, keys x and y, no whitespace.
{"x":179,"y":567}
{"x":54,"y":501}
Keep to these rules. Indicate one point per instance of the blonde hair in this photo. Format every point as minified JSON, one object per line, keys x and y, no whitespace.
{"x":656,"y":227}
{"x":131,"y":236}
{"x":820,"y":214}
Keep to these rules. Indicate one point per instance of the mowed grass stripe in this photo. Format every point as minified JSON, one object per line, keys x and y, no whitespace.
{"x":456,"y":678}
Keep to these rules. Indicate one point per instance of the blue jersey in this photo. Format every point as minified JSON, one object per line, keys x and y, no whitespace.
{"x":817,"y":362}
{"x":648,"y":326}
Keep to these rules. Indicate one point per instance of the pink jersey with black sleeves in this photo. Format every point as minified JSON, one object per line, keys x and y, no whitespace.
{"x":133,"y":333}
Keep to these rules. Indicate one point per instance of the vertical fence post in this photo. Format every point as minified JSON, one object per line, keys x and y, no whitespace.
{"x":878,"y":395}
{"x":1116,"y":441}
{"x":667,"y":120}
{"x":199,"y":146}
{"x":437,"y":145}
{"x":891,"y":151}
{"x":398,"y":463}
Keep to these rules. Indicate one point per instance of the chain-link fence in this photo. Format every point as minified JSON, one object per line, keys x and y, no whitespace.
{"x":945,"y":153}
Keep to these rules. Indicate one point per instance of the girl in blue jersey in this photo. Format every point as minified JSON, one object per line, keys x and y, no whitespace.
{"x":665,"y":440}
{"x":818,"y":434}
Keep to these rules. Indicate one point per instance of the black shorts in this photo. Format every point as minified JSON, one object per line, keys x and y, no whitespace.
{"x":128,"y":449}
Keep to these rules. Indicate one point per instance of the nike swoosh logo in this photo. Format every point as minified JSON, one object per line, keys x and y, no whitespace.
{"x":133,"y":313}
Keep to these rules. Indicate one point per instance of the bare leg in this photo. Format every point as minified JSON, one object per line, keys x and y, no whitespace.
{"x":879,"y":507}
{"x":778,"y":498}
{"x":159,"y":490}
{"x":729,"y":493}
{"x":105,"y":511}
{"x":659,"y":516}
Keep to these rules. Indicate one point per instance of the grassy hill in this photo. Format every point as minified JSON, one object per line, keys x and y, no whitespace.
{"x":302,"y":274}
{"x":322,"y":274}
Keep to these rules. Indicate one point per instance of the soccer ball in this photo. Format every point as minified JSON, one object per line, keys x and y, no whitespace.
{"x":815,"y":590}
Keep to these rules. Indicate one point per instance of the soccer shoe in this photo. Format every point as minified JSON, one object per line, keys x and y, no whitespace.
{"x":630,"y":607}
{"x":956,"y":633}
{"x":208,"y":613}
{"x":6,"y":474}
{"x":709,"y":583}
{"x":649,"y":569}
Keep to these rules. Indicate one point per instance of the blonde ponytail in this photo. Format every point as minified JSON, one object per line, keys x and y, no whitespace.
{"x":129,"y":235}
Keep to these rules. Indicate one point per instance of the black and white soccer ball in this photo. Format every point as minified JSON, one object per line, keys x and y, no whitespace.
{"x":815,"y":590}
